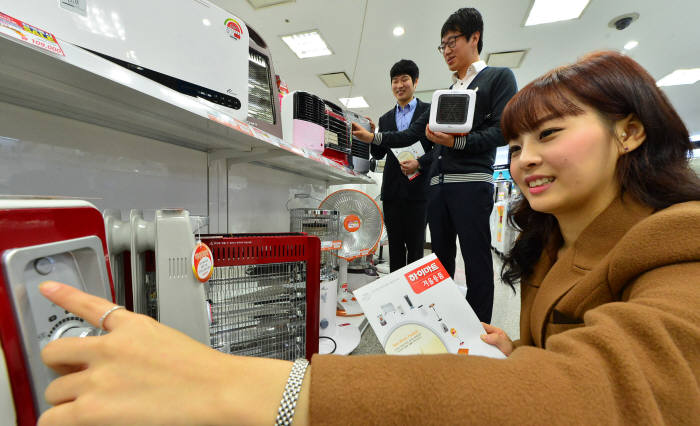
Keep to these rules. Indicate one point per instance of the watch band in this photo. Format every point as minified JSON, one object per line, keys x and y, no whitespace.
{"x":285,"y":414}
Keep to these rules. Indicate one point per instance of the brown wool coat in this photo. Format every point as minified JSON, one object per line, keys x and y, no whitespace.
{"x":610,"y":334}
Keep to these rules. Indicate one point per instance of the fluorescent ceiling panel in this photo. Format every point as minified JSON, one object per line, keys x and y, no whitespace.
{"x":511,"y":59}
{"x":308,"y":44}
{"x":335,"y":79}
{"x":546,"y":11}
{"x":257,"y":4}
{"x":356,"y":102}
{"x":631,"y":44}
{"x":680,"y":77}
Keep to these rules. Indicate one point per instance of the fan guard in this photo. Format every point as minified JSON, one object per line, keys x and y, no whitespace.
{"x":361,"y":222}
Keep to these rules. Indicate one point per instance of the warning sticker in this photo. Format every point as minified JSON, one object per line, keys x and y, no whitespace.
{"x":29,"y":34}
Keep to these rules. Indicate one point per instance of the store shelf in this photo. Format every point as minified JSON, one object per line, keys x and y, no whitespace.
{"x":85,"y":87}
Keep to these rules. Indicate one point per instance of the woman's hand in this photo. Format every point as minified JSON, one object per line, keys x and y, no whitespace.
{"x":144,"y":372}
{"x":361,"y":134}
{"x":439,"y":137}
{"x":498,"y":338}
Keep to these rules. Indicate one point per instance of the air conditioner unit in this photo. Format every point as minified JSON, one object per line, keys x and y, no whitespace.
{"x":61,"y":240}
{"x":193,"y":47}
{"x":452,"y":111}
{"x":304,"y":120}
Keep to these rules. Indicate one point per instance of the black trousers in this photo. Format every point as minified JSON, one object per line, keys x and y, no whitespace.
{"x":405,"y":226}
{"x":462,"y":210}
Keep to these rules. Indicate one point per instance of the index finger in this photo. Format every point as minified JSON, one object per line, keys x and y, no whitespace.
{"x":86,"y":306}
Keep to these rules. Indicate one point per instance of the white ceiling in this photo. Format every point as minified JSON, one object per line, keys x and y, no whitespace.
{"x":667,"y":31}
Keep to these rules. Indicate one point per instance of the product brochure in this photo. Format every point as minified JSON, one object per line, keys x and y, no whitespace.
{"x":419,"y":310}
{"x":412,"y":152}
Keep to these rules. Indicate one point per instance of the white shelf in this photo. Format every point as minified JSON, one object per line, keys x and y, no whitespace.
{"x":85,"y":87}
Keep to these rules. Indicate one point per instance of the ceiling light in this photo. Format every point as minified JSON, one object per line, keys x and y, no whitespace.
{"x":546,"y":11}
{"x":511,"y":59}
{"x":206,"y":22}
{"x":308,"y":44}
{"x":695,"y":137}
{"x":631,"y":44}
{"x":399,"y":31}
{"x":335,"y":79}
{"x":680,"y":77}
{"x":356,"y":102}
{"x":257,"y":4}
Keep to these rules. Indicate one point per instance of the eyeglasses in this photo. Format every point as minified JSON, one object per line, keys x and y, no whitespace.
{"x":451,"y":42}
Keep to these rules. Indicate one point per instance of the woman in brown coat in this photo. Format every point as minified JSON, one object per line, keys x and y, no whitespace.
{"x":609,"y":265}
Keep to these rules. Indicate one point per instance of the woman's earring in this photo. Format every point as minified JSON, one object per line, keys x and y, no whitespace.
{"x":624,"y":135}
{"x":627,"y":149}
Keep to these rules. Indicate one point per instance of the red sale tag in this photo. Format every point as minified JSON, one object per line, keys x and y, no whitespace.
{"x":426,"y":276}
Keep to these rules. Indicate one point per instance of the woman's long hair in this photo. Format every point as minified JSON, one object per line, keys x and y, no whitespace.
{"x":657,"y":173}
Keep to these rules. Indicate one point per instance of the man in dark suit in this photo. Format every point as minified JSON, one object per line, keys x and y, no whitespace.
{"x":404,"y":199}
{"x":460,"y":198}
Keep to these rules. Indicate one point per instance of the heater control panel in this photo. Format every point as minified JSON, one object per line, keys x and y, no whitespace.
{"x":78,"y":262}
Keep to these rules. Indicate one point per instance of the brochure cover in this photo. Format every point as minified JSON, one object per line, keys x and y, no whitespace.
{"x":412,"y":152}
{"x":419,"y":310}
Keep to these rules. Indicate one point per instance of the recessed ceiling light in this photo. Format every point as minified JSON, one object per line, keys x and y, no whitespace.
{"x":546,"y":11}
{"x":206,"y":22}
{"x":257,"y":4}
{"x":308,"y":44}
{"x":335,"y":79}
{"x":680,"y":77}
{"x":399,"y":31}
{"x":511,"y":59}
{"x":631,"y":44}
{"x":356,"y":102}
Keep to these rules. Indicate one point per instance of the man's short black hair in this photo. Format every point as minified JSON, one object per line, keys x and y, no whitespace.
{"x":467,"y":21}
{"x":405,"y":66}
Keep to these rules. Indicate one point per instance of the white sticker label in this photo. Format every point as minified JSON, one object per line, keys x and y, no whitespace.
{"x":77,"y":6}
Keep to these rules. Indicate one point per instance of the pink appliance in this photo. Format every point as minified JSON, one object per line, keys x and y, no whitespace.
{"x":304,"y":120}
{"x":61,"y":240}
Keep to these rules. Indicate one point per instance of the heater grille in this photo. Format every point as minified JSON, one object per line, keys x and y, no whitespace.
{"x":325,"y":224}
{"x":360,"y":149}
{"x":263,"y":295}
{"x":261,"y":103}
{"x":452,"y":109}
{"x":339,"y":127}
{"x":309,"y":107}
{"x":259,"y":310}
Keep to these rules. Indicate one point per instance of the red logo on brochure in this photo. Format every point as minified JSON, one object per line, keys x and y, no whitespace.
{"x":426,"y":276}
{"x":234,"y":29}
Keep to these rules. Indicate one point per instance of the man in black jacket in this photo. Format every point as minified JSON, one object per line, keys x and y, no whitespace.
{"x":460,"y":198}
{"x":404,"y":200}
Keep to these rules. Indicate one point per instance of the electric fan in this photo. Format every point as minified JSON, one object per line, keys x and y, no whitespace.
{"x":361,"y":224}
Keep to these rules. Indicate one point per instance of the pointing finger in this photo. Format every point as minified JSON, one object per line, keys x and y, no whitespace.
{"x":90,"y":308}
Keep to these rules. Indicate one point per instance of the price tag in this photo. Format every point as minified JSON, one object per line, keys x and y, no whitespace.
{"x":202,"y":262}
{"x":29,"y":34}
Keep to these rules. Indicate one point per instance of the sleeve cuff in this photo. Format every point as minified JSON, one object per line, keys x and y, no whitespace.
{"x":377,"y":140}
{"x":460,"y":142}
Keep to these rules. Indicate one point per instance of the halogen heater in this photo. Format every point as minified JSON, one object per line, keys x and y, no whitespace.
{"x":40,"y":240}
{"x":452,"y":111}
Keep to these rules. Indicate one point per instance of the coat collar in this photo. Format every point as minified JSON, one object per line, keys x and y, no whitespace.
{"x":556,"y":277}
